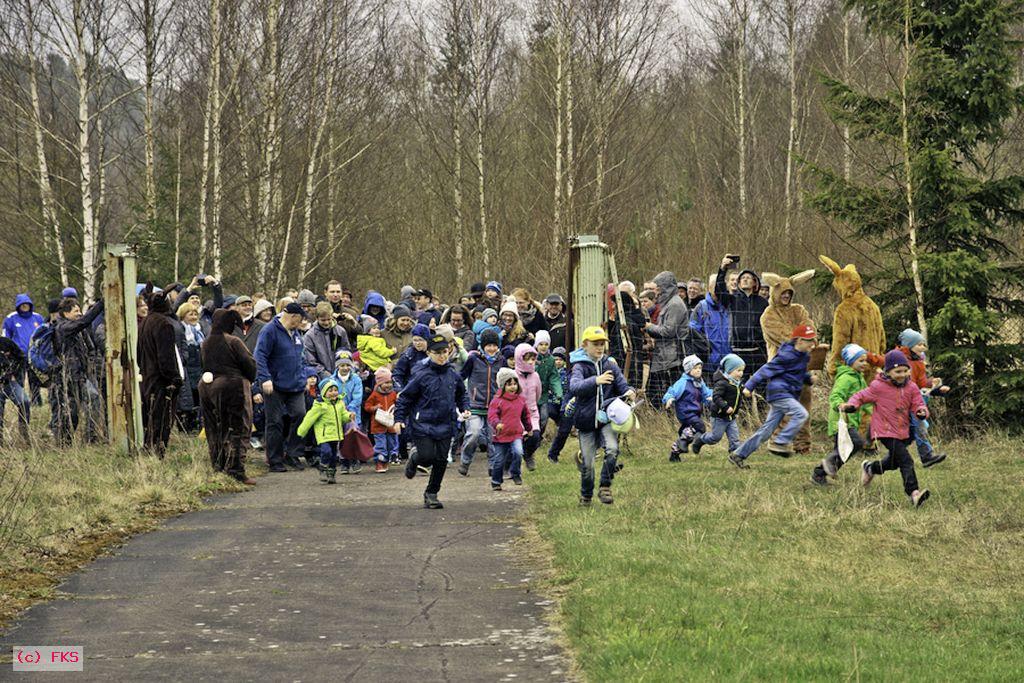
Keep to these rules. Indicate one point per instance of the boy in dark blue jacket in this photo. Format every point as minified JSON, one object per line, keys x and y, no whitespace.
{"x":688,"y":395}
{"x":428,"y":407}
{"x":481,"y":375}
{"x":595,"y":380}
{"x":785,"y":375}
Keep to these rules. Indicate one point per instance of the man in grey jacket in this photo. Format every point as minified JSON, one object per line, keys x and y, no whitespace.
{"x":669,"y":333}
{"x":323,"y":340}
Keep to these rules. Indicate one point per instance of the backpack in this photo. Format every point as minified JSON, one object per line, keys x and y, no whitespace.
{"x":42,"y":358}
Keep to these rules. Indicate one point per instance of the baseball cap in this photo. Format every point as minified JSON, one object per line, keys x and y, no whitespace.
{"x":594,"y":333}
{"x":425,"y":292}
{"x":244,"y":299}
{"x":804,"y":332}
{"x":296,"y":309}
{"x":555,"y":299}
{"x":437,"y":343}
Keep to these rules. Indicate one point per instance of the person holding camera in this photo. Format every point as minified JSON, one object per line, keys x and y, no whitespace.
{"x":745,"y":306}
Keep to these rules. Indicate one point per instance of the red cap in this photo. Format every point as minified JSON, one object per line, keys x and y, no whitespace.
{"x":804,"y":332}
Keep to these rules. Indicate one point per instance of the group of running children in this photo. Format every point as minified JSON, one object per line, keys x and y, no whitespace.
{"x":505,"y":402}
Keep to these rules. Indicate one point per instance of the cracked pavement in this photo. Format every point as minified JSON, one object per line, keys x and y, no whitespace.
{"x":299,"y":581}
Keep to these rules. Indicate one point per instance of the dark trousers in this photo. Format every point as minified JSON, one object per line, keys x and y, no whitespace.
{"x":433,"y":453}
{"x":561,"y":436}
{"x":160,"y":406}
{"x":833,"y":457}
{"x":282,"y":441}
{"x":329,"y":454}
{"x":897,"y":458}
{"x":12,"y":391}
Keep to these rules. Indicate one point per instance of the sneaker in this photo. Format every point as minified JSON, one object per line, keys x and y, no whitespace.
{"x":920,"y":496}
{"x":783,"y":450}
{"x":866,"y":474}
{"x":738,"y":461}
{"x":531,"y":464}
{"x":381,"y":467}
{"x":495,"y":487}
{"x":552,"y":457}
{"x":932,"y":459}
{"x":330,"y":475}
{"x":357,"y":467}
{"x":346,"y":468}
{"x":278,"y":468}
{"x":431,"y":502}
{"x":829,"y":465}
{"x":518,"y":481}
{"x":255,"y":443}
{"x":673,"y":456}
{"x":323,"y":475}
{"x":294,"y":463}
{"x":422,"y":468}
{"x":818,"y":479}
{"x":410,"y":468}
{"x":604,"y":494}
{"x":584,"y":502}
{"x":697,"y":445}
{"x":464,"y":469}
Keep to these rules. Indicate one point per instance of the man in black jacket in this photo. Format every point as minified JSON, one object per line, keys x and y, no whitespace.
{"x":162,"y":374}
{"x":72,"y":391}
{"x":12,"y":373}
{"x":745,"y":307}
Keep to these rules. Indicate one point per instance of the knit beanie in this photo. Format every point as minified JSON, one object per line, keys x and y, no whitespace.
{"x":488,"y":312}
{"x":495,"y":285}
{"x":71,"y":293}
{"x":731,"y":362}
{"x":306,"y":298}
{"x":910,"y":338}
{"x":560,"y":352}
{"x":690,"y":362}
{"x":382,"y":375}
{"x":542,"y":337}
{"x":508,"y":351}
{"x":895,"y":359}
{"x":510,"y":307}
{"x":369,"y":322}
{"x":504,"y":375}
{"x":407,"y":291}
{"x":401,"y":311}
{"x":490,"y":336}
{"x":328,"y":382}
{"x":851,"y":352}
{"x":420,"y":330}
{"x":343,"y":357}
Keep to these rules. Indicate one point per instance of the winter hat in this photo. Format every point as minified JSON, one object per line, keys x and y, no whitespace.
{"x":895,"y":359}
{"x":382,"y":375}
{"x":488,"y":312}
{"x":328,"y":382}
{"x":368,"y":322}
{"x":401,"y":311}
{"x":690,"y":362}
{"x":244,"y":299}
{"x":730,"y":362}
{"x":560,"y":352}
{"x":72,"y":293}
{"x":343,"y":357}
{"x":52,"y":305}
{"x":476,"y":290}
{"x":510,"y":307}
{"x":507,"y":352}
{"x":495,"y":285}
{"x":504,"y":375}
{"x":489,"y":336}
{"x":260,"y":306}
{"x":910,"y":338}
{"x":445,"y":331}
{"x":420,"y":330}
{"x":306,"y":298}
{"x":804,"y":332}
{"x":407,"y":291}
{"x":627,"y":286}
{"x":542,"y":337}
{"x":851,"y":352}
{"x":229,"y":301}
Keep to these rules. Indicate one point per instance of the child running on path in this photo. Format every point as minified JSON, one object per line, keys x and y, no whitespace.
{"x":725,"y":402}
{"x":509,"y":419}
{"x":327,"y":418}
{"x":385,"y":438}
{"x":688,"y":395}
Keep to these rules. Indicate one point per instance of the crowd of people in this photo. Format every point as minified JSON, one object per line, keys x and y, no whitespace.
{"x":315,"y":380}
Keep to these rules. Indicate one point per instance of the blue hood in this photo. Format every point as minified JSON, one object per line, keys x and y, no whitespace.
{"x":579,"y":355}
{"x":24,"y":299}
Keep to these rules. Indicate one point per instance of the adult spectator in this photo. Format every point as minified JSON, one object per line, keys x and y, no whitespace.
{"x":635,"y":320}
{"x":529,"y":311}
{"x":323,"y":340}
{"x":341,"y":305}
{"x":669,"y":333}
{"x":263,"y":311}
{"x":710,"y":329}
{"x":554,"y":319}
{"x":191,"y":294}
{"x":73,"y":392}
{"x":281,"y":373}
{"x":163,"y":374}
{"x":249,"y":330}
{"x":227,"y":398}
{"x":476,"y":291}
{"x":19,"y":326}
{"x":397,"y":330}
{"x":306,"y":299}
{"x":426,"y":312}
{"x":745,"y":307}
{"x":12,"y":374}
{"x":458,"y":317}
{"x":694,"y":293}
{"x":189,"y":347}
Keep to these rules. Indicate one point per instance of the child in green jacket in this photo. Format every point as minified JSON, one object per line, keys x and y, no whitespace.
{"x":327,"y":418}
{"x":849,"y":380}
{"x":550,"y":380}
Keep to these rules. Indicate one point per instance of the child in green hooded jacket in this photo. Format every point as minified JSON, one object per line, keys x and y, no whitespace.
{"x":327,"y":418}
{"x":849,"y":380}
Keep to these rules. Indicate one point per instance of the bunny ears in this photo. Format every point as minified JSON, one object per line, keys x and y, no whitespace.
{"x":774,"y":280}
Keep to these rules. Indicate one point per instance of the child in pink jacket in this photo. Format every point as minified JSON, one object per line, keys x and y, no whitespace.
{"x":529,"y":381}
{"x":895,"y":397}
{"x":509,"y":419}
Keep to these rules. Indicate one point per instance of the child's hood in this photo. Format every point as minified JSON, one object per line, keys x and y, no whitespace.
{"x":843,"y":370}
{"x":521,"y":351}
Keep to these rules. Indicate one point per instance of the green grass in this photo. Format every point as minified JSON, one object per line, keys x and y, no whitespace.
{"x":700,"y":570}
{"x":59,"y":508}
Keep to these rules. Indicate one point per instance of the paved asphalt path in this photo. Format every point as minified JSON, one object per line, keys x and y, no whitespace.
{"x":299,"y":581}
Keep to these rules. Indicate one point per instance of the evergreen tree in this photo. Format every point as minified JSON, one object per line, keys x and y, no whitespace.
{"x":932,"y":134}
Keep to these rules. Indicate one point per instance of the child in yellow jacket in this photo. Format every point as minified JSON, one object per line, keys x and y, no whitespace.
{"x":327,"y":418}
{"x":374,"y":352}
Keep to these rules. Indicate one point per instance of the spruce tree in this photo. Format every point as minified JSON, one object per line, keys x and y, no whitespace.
{"x":948,"y":109}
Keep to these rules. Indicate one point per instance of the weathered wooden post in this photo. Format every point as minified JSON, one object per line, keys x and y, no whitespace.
{"x":592,"y":267}
{"x":124,"y":398}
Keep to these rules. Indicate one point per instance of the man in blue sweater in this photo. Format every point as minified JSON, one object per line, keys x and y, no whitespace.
{"x":281,"y":374}
{"x":19,"y":327}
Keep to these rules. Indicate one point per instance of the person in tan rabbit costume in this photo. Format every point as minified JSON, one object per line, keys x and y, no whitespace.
{"x":857,"y":320}
{"x":777,"y":324}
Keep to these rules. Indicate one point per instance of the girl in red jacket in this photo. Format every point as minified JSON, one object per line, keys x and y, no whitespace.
{"x":385,"y":437}
{"x":895,"y":397}
{"x":509,"y":418}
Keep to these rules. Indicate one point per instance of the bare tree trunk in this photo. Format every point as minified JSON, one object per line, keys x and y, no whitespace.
{"x":314,"y":155}
{"x":149,"y":34}
{"x":847,"y":151}
{"x":267,"y":188}
{"x":570,"y":151}
{"x":460,"y":268}
{"x":177,"y":203}
{"x":481,"y":60}
{"x":89,"y":247}
{"x":210,"y":131}
{"x":332,"y":224}
{"x":559,"y":116}
{"x":790,"y":27}
{"x":741,"y":95}
{"x":907,"y":169}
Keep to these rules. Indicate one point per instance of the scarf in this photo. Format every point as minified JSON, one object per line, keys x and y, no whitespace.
{"x":193,"y":335}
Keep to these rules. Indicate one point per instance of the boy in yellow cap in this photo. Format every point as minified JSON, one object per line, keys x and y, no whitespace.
{"x":596,"y":380}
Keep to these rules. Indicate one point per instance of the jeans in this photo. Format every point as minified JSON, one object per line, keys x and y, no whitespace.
{"x":329,"y":454}
{"x":722,"y":427}
{"x":72,"y":399}
{"x":919,"y":430}
{"x":777,"y":409}
{"x":281,"y":405}
{"x":433,"y":453}
{"x":477,"y":432}
{"x":385,"y":445}
{"x":589,"y":443}
{"x":502,"y":455}
{"x":545,"y":412}
{"x":897,"y":458}
{"x":12,"y":391}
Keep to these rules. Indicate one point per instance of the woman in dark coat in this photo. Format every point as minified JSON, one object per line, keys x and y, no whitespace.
{"x":225,"y":395}
{"x":190,"y":338}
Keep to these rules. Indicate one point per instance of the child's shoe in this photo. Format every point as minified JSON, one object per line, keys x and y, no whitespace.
{"x":673,"y":455}
{"x":783,"y":450}
{"x":381,"y":467}
{"x":495,"y":487}
{"x":410,"y":468}
{"x":867,"y":473}
{"x":357,"y":467}
{"x":698,"y":444}
{"x":829,"y":465}
{"x":323,"y":475}
{"x":346,"y":468}
{"x":464,"y":469}
{"x":518,"y":481}
{"x":584,"y":502}
{"x":531,"y":464}
{"x":604,"y":494}
{"x":920,"y":496}
{"x":738,"y":461}
{"x":932,"y":459}
{"x":818,"y":479}
{"x":330,"y":475}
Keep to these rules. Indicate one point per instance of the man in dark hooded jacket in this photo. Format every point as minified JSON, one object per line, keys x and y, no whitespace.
{"x":745,"y":307}
{"x":72,"y":390}
{"x":669,"y":334}
{"x":162,"y":373}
